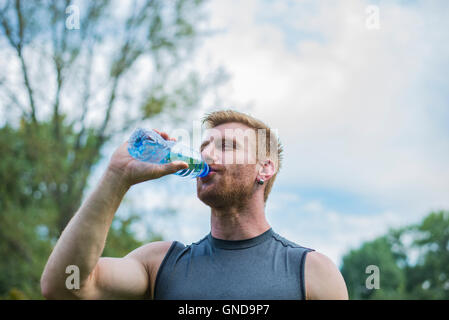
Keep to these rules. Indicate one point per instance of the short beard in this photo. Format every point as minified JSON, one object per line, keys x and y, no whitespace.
{"x":222,"y":197}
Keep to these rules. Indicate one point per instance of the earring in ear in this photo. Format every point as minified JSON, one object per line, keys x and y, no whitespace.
{"x":260,"y":181}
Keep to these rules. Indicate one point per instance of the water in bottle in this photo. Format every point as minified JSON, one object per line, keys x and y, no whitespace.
{"x":149,"y":146}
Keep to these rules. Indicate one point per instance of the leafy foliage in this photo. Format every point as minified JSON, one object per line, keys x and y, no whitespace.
{"x":413,"y":262}
{"x":60,"y":100}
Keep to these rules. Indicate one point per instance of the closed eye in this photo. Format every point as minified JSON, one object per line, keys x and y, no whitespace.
{"x":228,"y":144}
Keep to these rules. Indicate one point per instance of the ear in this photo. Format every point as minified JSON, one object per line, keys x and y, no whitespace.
{"x":266,"y":170}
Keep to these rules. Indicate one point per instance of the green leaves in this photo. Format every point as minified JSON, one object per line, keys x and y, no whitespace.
{"x":64,"y":79}
{"x":378,"y":253}
{"x":154,"y":105}
{"x":413,"y":262}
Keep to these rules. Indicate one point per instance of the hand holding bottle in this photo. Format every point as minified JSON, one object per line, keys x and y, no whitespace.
{"x":151,"y":147}
{"x":132,"y":171}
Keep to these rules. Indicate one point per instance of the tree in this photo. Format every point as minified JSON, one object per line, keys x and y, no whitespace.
{"x":413,"y":262}
{"x":429,"y":277}
{"x":376,"y":253}
{"x":65,"y":93}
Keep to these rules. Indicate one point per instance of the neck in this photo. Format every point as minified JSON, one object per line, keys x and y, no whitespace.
{"x":239,"y":222}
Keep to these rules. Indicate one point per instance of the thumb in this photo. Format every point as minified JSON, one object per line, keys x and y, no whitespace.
{"x":175,"y":166}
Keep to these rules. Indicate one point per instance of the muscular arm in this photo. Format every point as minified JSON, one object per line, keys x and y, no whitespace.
{"x":83,"y":240}
{"x":131,"y":277}
{"x":323,"y":279}
{"x":82,"y":243}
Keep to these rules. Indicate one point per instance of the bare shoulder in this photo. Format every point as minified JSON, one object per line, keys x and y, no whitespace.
{"x":151,"y":256}
{"x":323,"y":279}
{"x":150,"y":250}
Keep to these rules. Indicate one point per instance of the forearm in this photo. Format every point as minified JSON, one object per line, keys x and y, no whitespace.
{"x":83,"y":240}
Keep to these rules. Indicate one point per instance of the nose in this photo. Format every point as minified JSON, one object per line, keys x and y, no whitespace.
{"x":209,"y":155}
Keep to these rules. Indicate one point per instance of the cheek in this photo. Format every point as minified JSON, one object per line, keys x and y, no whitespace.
{"x":227,"y":158}
{"x":241,"y":172}
{"x":236,"y":157}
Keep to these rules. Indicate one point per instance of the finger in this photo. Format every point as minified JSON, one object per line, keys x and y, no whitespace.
{"x":174,"y":166}
{"x":164,"y":135}
{"x":167,"y":137}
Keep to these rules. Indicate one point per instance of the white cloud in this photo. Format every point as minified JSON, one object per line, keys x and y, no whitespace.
{"x":349,"y":108}
{"x":352,"y":106}
{"x":311,"y":224}
{"x":355,"y":109}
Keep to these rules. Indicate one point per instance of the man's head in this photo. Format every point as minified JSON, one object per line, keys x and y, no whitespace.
{"x":242,"y":150}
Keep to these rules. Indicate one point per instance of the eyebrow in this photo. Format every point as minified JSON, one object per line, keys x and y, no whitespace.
{"x":205,"y":143}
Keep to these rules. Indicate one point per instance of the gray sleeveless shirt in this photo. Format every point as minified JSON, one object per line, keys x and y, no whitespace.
{"x":265,"y":267}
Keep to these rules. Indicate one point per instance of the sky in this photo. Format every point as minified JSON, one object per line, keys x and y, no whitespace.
{"x":361,"y":105}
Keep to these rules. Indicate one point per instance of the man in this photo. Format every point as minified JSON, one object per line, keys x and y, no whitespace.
{"x":241,"y":258}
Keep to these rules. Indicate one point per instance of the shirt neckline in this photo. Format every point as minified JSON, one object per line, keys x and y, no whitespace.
{"x":240,"y":244}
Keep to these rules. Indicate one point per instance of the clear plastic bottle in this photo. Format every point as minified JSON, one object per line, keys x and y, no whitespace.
{"x":149,"y":146}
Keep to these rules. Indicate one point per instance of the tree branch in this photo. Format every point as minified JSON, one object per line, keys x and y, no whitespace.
{"x":18,"y":46}
{"x":86,"y":98}
{"x":58,"y":50}
{"x":23,"y":65}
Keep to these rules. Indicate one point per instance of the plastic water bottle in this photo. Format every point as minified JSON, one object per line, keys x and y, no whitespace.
{"x":149,"y":146}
